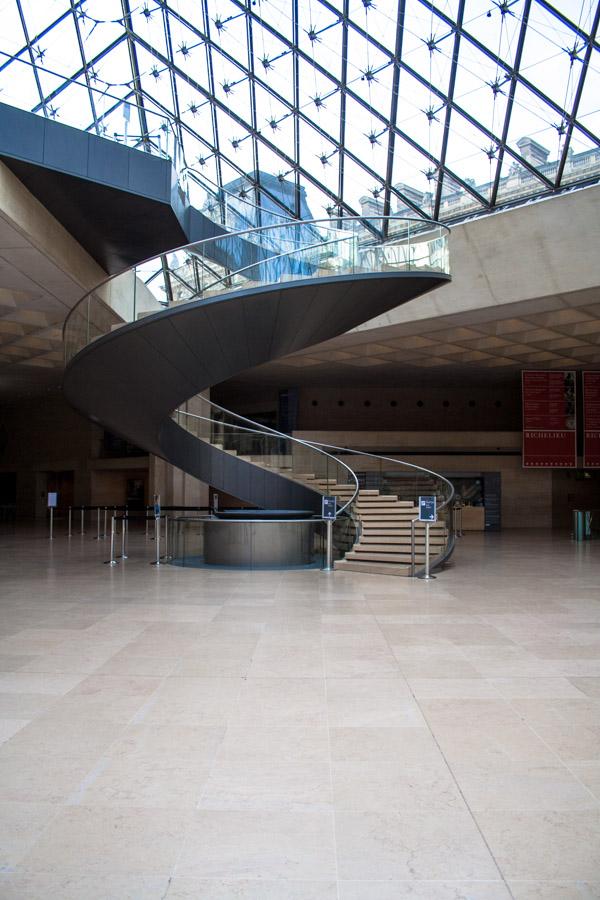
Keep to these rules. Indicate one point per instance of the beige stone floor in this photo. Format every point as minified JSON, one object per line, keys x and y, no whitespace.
{"x":178,"y":733}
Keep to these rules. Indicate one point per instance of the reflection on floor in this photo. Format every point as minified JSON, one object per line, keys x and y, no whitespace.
{"x":189,"y":734}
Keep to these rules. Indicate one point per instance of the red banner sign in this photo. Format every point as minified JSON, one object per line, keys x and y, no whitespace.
{"x":549,"y":427}
{"x":591,"y":420}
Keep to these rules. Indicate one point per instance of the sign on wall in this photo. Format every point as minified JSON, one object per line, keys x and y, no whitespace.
{"x":591,"y":420}
{"x":549,"y":422}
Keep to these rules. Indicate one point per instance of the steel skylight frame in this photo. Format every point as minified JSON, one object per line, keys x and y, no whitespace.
{"x":441,"y":172}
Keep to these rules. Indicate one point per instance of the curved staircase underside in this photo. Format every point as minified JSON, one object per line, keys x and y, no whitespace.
{"x":132,"y":379}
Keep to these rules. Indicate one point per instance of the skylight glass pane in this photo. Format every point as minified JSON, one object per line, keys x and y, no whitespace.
{"x":155,"y":89}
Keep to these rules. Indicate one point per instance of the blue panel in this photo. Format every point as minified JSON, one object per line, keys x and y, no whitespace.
{"x":108,"y":162}
{"x":21,"y":134}
{"x":149,"y":176}
{"x":65,"y":148}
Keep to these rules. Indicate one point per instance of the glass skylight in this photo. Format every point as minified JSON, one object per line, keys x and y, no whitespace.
{"x":438,"y":109}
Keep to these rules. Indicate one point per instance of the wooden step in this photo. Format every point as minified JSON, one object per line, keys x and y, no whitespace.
{"x":382,"y":531}
{"x":374,"y":543}
{"x":385,"y":511}
{"x":369,"y":568}
{"x":359,"y":553}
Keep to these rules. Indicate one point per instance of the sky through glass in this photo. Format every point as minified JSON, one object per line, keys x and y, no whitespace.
{"x":440,"y":109}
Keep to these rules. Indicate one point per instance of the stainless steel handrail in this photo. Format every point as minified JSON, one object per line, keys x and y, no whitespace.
{"x":195,"y":246}
{"x":318,"y":444}
{"x":268,"y":259}
{"x":279,"y":434}
{"x":305,"y":441}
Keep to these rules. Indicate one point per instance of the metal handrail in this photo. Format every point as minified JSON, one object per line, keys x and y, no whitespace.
{"x":272,"y":433}
{"x":266,"y":430}
{"x":268,"y":259}
{"x":194,"y":246}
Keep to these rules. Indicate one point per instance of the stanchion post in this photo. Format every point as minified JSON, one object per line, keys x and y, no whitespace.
{"x":104,"y":529}
{"x":124,"y":537}
{"x":166,"y":553}
{"x":97,"y":524}
{"x":426,"y":576}
{"x":51,"y":538}
{"x":70,"y":521}
{"x":157,"y":561}
{"x":82,"y":518}
{"x":147,"y":520}
{"x":112,"y":561}
{"x":328,"y":546}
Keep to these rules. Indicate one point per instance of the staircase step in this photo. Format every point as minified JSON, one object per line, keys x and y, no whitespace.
{"x":369,"y":568}
{"x":383,"y":543}
{"x":383,"y":534}
{"x":361,"y":554}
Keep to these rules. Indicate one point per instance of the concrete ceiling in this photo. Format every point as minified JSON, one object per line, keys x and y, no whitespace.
{"x":43,"y":273}
{"x":525,"y":294}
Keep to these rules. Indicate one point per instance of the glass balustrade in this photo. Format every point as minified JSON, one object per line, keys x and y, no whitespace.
{"x":253,"y":259}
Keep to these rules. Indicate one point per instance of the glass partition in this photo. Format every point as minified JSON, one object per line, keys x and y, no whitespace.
{"x":257,"y":257}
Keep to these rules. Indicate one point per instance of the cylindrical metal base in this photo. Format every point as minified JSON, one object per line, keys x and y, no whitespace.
{"x":258,"y":543}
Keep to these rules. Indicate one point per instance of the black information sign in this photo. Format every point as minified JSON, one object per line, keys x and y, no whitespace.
{"x":328,"y":507}
{"x":427,"y":509}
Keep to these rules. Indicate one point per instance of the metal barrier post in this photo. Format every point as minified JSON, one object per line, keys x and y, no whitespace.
{"x":412,"y":547}
{"x":104,"y":529}
{"x":157,"y":561}
{"x":124,"y":537}
{"x":51,"y":538}
{"x":97,"y":538}
{"x":426,"y":576}
{"x":112,"y":561}
{"x":81,"y":531}
{"x":70,"y":521}
{"x":166,"y":553}
{"x":147,"y":520}
{"x":328,"y":567}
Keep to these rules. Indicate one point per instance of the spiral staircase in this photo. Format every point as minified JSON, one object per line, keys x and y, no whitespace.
{"x":143,"y":346}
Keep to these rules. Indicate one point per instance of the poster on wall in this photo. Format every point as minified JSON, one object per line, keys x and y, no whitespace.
{"x":591,"y":420}
{"x":549,"y":425}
